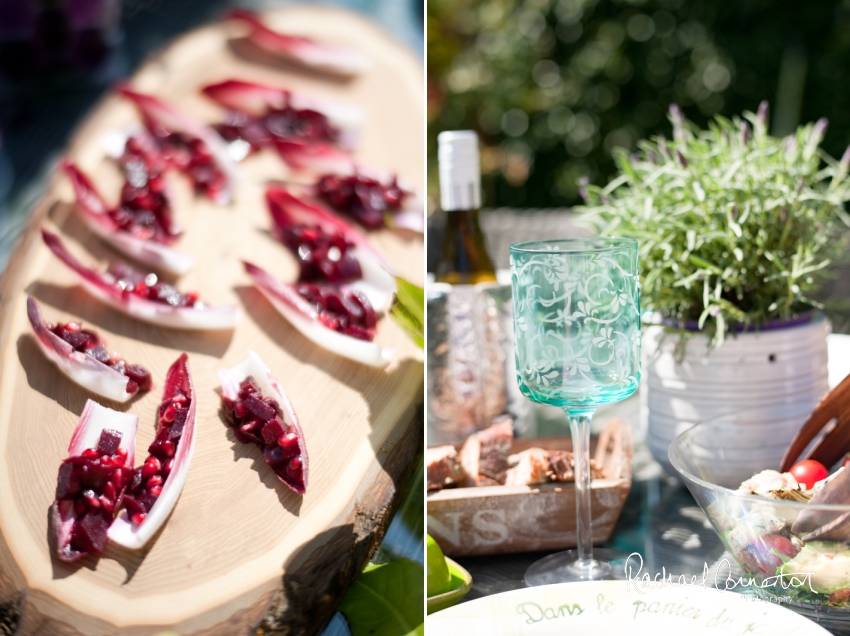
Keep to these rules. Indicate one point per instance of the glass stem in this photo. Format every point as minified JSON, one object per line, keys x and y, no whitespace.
{"x":580,"y":430}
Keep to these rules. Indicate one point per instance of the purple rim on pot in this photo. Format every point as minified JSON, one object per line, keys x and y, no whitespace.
{"x":771,"y":325}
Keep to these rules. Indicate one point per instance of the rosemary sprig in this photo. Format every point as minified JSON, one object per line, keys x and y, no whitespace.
{"x":735,"y":227}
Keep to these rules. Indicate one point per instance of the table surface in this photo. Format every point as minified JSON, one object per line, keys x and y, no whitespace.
{"x":660,"y":520}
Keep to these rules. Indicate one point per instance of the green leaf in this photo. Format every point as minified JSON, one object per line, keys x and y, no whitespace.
{"x":386,"y":600}
{"x":408,"y":310}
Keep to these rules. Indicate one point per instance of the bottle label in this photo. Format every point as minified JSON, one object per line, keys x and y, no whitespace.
{"x":459,"y":194}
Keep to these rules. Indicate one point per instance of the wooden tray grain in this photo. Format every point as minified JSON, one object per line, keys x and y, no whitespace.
{"x":240,"y":551}
{"x":505,"y":519}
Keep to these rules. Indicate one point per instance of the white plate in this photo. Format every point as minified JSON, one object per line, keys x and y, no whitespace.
{"x":592,"y":609}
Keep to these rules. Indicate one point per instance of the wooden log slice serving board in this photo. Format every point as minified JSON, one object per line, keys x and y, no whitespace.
{"x":241,"y":553}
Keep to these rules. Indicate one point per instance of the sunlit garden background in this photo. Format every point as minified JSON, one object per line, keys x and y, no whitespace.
{"x":552,"y":86}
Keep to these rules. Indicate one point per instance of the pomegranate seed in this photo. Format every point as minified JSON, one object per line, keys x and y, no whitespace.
{"x":138,"y":518}
{"x":155,"y":491}
{"x":294,"y":467}
{"x":239,"y":409}
{"x":168,"y":414}
{"x":106,"y":461}
{"x":151,"y":467}
{"x":109,"y":491}
{"x":154,"y":481}
{"x":166,"y":468}
{"x":122,"y":453}
{"x":91,"y":499}
{"x":288,"y":442}
{"x":90,"y":453}
{"x":80,"y":507}
{"x":107,"y":506}
{"x":168,"y":448}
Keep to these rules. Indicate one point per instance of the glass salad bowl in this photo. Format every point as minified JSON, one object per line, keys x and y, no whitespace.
{"x":793,"y":552}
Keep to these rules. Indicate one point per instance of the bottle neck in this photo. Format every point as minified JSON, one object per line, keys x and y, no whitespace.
{"x":464,"y":259}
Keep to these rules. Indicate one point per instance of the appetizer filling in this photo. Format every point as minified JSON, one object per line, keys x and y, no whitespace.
{"x":149,"y":478}
{"x":282,"y":123}
{"x":144,"y":210}
{"x":361,"y":197}
{"x":92,"y":484}
{"x":89,"y":342}
{"x":256,"y":419}
{"x":321,"y":256}
{"x":148,"y":286}
{"x":192,"y":157}
{"x":345,"y":311}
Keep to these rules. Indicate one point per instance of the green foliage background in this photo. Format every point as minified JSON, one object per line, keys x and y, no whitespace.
{"x":552,"y":86}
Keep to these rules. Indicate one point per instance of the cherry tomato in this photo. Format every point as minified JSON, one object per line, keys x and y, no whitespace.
{"x":808,"y":472}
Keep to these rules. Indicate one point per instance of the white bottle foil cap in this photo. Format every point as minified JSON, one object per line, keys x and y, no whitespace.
{"x":460,"y":171}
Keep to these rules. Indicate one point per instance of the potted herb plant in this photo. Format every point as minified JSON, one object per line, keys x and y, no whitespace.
{"x":736,"y":231}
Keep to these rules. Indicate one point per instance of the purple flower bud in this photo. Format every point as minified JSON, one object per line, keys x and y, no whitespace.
{"x":734,"y":212}
{"x":820,"y":128}
{"x":818,"y":131}
{"x":764,"y":113}
{"x":583,"y":182}
{"x":678,"y":119}
{"x":681,"y":159}
{"x":745,"y":133}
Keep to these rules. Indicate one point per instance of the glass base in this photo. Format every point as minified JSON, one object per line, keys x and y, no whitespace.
{"x":564,"y":567}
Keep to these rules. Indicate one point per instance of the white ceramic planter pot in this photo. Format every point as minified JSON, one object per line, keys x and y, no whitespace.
{"x":774,"y":377}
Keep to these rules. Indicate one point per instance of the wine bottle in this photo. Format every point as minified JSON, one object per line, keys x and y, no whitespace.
{"x":463,"y":259}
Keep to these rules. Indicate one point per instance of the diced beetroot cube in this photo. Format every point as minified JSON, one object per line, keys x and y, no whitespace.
{"x":272,"y":431}
{"x":109,"y":442}
{"x":139,"y":375}
{"x":90,"y":533}
{"x":259,"y":408}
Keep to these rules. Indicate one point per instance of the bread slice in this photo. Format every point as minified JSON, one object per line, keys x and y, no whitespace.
{"x":527,"y":468}
{"x":443,"y":469}
{"x":484,"y":455}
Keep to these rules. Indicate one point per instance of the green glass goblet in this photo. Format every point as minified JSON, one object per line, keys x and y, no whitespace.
{"x":577,"y":337}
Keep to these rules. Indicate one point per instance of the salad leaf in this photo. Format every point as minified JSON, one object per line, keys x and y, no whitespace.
{"x":408,"y":310}
{"x":386,"y":600}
